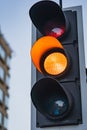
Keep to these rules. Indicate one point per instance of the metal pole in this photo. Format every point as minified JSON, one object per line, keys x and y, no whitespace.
{"x":60,"y":3}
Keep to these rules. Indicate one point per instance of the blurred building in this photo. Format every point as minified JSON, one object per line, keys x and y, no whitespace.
{"x":5,"y":57}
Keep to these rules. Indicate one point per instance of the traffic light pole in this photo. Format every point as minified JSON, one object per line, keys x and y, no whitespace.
{"x":60,"y":3}
{"x":83,"y":87}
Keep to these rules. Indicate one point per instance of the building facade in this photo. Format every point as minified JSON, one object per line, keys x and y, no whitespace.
{"x":5,"y":56}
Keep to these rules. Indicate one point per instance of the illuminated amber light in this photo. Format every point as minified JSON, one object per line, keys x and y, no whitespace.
{"x":41,"y":46}
{"x":55,"y":63}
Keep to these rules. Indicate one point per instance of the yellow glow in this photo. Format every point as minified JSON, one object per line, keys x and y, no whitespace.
{"x":55,"y":63}
{"x":41,"y":46}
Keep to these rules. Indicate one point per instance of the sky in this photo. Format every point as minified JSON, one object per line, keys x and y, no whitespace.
{"x":15,"y":25}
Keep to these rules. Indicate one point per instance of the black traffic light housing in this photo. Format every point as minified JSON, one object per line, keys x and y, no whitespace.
{"x":67,"y":85}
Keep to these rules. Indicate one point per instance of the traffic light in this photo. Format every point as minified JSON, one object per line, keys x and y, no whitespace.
{"x":56,"y":94}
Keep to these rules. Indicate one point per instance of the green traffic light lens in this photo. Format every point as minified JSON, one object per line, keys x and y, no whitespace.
{"x":56,"y":106}
{"x":51,"y":99}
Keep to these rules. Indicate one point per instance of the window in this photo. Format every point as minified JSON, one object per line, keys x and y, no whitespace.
{"x":0,"y":118}
{"x":7,"y":80}
{"x":2,"y":52}
{"x":1,"y":73}
{"x":8,"y":61}
{"x":6,"y":101}
{"x":1,"y":95}
{"x":0,"y":49}
{"x":5,"y":122}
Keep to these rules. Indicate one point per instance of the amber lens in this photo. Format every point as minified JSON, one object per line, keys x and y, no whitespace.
{"x":41,"y":46}
{"x":55,"y":63}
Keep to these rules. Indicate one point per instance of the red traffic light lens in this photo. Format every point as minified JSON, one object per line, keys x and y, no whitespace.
{"x":53,"y":29}
{"x":56,"y":32}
